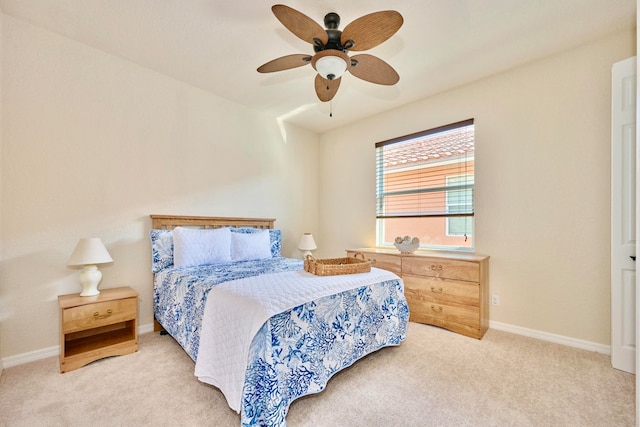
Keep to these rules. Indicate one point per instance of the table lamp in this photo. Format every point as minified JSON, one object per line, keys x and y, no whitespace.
{"x":307,"y":244}
{"x":88,"y":253}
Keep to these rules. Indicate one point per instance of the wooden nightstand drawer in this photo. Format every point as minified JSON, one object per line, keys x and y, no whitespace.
{"x":441,"y":267}
{"x":98,"y":314}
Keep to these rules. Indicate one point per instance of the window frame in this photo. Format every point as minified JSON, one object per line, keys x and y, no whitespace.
{"x":387,"y":208}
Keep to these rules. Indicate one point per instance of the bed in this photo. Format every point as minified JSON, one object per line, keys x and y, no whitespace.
{"x":257,"y":326}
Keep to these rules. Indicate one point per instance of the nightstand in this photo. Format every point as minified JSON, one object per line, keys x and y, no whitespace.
{"x":95,"y":327}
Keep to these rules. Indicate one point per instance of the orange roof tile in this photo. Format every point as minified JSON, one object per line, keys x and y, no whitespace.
{"x":436,"y":147}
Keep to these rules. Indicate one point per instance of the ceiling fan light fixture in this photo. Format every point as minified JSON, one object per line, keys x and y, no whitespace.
{"x":331,"y":47}
{"x":331,"y":67}
{"x":331,"y":64}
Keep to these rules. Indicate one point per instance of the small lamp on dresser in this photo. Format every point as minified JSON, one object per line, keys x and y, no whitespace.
{"x":307,"y":244}
{"x":89,"y":252}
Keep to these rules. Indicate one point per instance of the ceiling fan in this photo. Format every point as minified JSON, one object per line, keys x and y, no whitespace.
{"x":331,"y":59}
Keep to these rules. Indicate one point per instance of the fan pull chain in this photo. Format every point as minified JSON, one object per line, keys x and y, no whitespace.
{"x":330,"y":108}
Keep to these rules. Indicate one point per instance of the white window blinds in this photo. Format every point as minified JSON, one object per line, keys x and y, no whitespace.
{"x":429,"y":173}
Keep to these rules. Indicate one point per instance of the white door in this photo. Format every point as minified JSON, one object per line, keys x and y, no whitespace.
{"x":623,"y":215}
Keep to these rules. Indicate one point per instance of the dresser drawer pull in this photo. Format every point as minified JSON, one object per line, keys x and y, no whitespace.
{"x":435,"y":267}
{"x":436,"y":309}
{"x":437,"y":290}
{"x":97,"y":315}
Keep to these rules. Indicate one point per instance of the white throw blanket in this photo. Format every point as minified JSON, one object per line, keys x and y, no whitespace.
{"x":236,"y":310}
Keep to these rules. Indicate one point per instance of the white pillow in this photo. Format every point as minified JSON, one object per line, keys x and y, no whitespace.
{"x":193,"y":247}
{"x":250,"y":246}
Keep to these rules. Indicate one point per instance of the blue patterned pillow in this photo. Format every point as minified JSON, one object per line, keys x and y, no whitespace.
{"x":161,"y":249}
{"x":275,"y":236}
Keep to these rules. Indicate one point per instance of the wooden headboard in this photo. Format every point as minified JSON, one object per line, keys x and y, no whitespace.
{"x":168,"y":222}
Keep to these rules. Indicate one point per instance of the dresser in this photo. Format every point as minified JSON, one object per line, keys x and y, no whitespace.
{"x":95,"y":327}
{"x":445,"y":289}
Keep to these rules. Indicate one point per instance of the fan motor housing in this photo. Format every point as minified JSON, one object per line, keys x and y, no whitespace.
{"x":332,"y":43}
{"x":331,"y":23}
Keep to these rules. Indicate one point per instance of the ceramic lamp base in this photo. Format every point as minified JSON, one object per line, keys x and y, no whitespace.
{"x":90,"y":278}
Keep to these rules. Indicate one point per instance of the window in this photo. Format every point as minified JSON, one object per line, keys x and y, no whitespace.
{"x":425,"y":187}
{"x":459,"y":200}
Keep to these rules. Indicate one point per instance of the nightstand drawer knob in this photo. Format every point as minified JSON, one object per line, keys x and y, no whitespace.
{"x":436,"y":309}
{"x":97,"y":315}
{"x":436,"y":290}
{"x":435,"y":267}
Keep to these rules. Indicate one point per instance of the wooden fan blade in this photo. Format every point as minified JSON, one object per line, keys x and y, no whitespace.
{"x":285,"y":63}
{"x":300,"y":24}
{"x":370,"y":30}
{"x":374,"y":70}
{"x":326,"y":89}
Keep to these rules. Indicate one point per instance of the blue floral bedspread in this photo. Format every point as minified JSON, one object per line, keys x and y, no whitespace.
{"x":180,"y":294}
{"x":296,"y":352}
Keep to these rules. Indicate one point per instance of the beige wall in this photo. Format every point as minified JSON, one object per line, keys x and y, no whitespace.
{"x":542,"y":184}
{"x":92,"y":144}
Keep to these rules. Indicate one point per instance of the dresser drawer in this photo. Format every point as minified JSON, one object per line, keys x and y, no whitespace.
{"x":98,"y":314}
{"x":462,"y":319}
{"x":441,"y":267}
{"x":445,"y":312}
{"x":387,"y":262}
{"x":434,"y":289}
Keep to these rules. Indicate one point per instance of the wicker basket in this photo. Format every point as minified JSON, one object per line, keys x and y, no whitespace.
{"x":336,"y":266}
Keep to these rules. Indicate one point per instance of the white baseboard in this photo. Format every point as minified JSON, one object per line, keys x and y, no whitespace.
{"x":145,"y":329}
{"x":546,"y":336}
{"x":32,"y":356}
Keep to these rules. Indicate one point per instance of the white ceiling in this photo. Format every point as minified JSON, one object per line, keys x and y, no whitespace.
{"x":218,"y":44}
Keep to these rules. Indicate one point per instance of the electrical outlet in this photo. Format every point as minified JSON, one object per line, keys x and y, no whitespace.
{"x":495,"y":299}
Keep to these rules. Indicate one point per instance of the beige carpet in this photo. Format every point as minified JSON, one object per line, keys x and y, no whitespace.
{"x":435,"y":378}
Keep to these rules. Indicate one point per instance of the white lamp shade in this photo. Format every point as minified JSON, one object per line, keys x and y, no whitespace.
{"x":89,"y":251}
{"x":307,"y":243}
